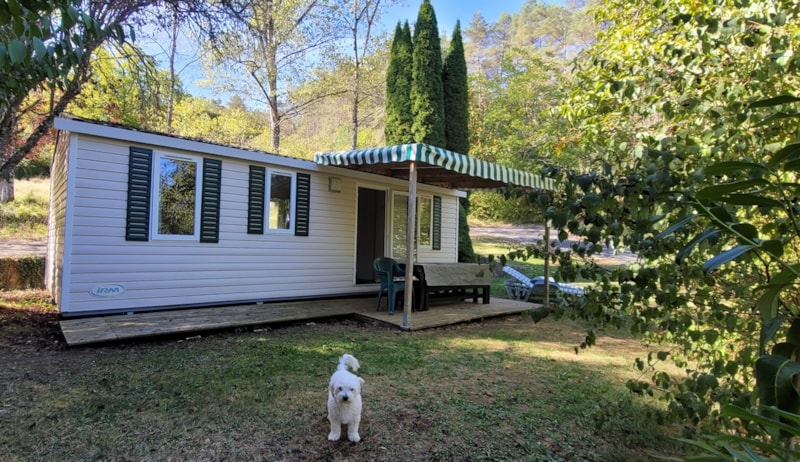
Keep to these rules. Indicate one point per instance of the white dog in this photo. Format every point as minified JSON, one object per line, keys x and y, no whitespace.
{"x":344,"y":400}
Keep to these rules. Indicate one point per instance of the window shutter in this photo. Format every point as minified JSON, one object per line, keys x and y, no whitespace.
{"x":255,"y":200}
{"x":140,"y":167}
{"x":437,"y":223}
{"x":303,"y":204}
{"x":209,"y":207}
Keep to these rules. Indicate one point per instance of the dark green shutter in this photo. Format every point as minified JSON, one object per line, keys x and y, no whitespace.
{"x":437,"y":223}
{"x":210,"y":205}
{"x":255,"y":200}
{"x":140,"y":168}
{"x":303,"y":204}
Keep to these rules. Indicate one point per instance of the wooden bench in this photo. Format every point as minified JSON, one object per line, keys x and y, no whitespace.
{"x":455,"y":281}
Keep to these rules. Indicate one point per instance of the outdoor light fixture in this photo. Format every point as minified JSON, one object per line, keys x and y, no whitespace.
{"x":334,"y":184}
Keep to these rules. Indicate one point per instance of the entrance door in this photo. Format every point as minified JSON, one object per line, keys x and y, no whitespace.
{"x":371,"y":232}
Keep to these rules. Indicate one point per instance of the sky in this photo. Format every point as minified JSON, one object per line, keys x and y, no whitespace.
{"x":450,"y":11}
{"x":447,"y":13}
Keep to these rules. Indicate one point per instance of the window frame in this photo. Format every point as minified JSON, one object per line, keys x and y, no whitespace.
{"x":268,"y":172}
{"x":155,"y":205}
{"x":417,"y":222}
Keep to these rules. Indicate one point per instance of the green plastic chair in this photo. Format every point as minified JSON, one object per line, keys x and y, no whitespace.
{"x":387,"y":270}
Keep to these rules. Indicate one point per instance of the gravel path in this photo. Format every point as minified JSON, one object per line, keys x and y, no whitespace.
{"x":22,"y":247}
{"x":531,"y":233}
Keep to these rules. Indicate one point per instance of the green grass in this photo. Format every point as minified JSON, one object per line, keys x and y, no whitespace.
{"x":26,"y":216}
{"x":505,"y":389}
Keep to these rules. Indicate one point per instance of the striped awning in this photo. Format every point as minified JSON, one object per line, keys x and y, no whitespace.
{"x":435,"y":166}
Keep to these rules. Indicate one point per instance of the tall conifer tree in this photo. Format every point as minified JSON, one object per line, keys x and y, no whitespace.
{"x":456,"y":106}
{"x":427,"y":93}
{"x":399,"y":117}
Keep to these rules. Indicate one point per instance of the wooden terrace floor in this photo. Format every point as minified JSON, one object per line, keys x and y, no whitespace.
{"x":99,"y":329}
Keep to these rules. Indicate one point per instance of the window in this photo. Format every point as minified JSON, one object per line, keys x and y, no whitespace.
{"x":184,"y":197}
{"x":177,"y":188}
{"x":400,"y":223}
{"x":424,"y":208}
{"x":280,"y":201}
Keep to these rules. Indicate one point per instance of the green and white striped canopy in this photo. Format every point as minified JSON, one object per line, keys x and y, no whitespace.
{"x":435,"y":166}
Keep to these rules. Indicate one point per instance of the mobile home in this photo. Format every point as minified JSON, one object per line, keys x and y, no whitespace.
{"x":146,"y":221}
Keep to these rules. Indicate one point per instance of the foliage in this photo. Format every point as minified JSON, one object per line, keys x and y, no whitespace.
{"x":399,"y":118}
{"x":691,"y":133}
{"x":22,"y":273}
{"x":427,"y":94}
{"x":456,"y":103}
{"x":125,"y":87}
{"x":262,"y":50}
{"x":507,"y":206}
{"x":45,"y":51}
{"x":359,"y":18}
{"x":465,"y":251}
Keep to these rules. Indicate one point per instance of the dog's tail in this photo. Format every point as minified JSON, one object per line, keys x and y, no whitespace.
{"x":348,"y":360}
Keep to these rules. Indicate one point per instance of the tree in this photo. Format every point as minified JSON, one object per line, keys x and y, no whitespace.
{"x":399,"y":117}
{"x":359,"y":18}
{"x":269,"y":43}
{"x":456,"y":103}
{"x":427,"y":94}
{"x":46,"y":52}
{"x":691,"y":132}
{"x":125,"y":87}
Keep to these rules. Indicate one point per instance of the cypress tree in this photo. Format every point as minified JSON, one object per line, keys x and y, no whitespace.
{"x":456,"y":106}
{"x":399,"y":118}
{"x":427,"y":94}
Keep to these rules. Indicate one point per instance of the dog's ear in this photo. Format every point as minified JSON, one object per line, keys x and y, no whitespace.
{"x":330,"y":388}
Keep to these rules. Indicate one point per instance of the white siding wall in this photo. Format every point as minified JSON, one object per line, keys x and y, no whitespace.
{"x":56,"y":227}
{"x":449,"y":249}
{"x":241,"y":267}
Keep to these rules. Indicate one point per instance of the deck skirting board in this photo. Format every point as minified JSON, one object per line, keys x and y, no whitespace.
{"x":100,"y":329}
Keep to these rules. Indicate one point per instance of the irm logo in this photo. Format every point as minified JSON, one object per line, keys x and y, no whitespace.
{"x":107,"y":290}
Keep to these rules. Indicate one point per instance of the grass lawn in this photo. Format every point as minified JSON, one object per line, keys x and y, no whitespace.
{"x":26,"y":215}
{"x":503,"y":389}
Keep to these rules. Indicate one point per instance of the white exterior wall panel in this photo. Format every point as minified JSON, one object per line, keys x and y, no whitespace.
{"x":241,"y":267}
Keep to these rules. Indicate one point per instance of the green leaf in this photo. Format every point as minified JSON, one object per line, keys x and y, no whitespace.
{"x":746,"y":230}
{"x":784,"y":349}
{"x":39,"y":48}
{"x":17,"y":52}
{"x":5,"y":14}
{"x":720,"y":191}
{"x":753,"y":199}
{"x":724,"y":168}
{"x":773,"y":246}
{"x":774,"y":376}
{"x":684,"y":252}
{"x":778,"y":116}
{"x":775,"y":101}
{"x":726,"y":257}
{"x":675,"y":226}
{"x":787,"y":153}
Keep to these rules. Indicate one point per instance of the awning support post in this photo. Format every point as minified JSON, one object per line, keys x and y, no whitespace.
{"x":408,"y":299}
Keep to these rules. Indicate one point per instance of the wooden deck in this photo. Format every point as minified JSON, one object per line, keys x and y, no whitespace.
{"x":99,"y":329}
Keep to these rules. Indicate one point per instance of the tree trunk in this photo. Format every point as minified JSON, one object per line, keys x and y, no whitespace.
{"x":6,"y":186}
{"x":356,"y":90}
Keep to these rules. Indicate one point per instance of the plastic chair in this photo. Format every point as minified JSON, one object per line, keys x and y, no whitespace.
{"x":524,"y":287}
{"x":388,"y":270}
